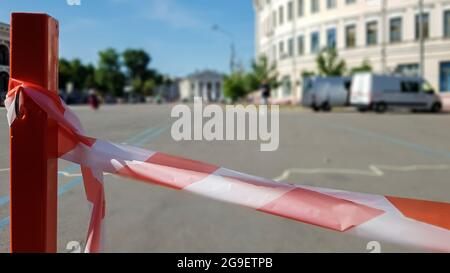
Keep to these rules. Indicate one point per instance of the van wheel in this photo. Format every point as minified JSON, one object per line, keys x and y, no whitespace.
{"x":326,"y":107}
{"x":436,"y":107}
{"x":315,"y":108}
{"x":380,"y":107}
{"x":362,"y":109}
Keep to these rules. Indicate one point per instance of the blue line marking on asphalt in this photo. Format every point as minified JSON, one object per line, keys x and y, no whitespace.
{"x":414,"y":146}
{"x":151,"y":136}
{"x":5,"y":199}
{"x":145,"y":137}
{"x":142,"y":134}
{"x":417,"y":147}
{"x":61,"y":190}
{"x":69,"y":185}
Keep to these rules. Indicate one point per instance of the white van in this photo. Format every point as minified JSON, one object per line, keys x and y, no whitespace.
{"x":323,"y":93}
{"x":378,"y":92}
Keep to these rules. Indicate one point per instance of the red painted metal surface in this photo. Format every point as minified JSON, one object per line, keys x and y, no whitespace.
{"x":34,"y":137}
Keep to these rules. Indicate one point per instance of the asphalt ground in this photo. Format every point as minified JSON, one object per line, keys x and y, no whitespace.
{"x":400,"y":154}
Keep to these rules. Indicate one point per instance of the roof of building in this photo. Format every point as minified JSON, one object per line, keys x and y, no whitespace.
{"x":4,"y":31}
{"x":4,"y":25}
{"x":205,"y":74}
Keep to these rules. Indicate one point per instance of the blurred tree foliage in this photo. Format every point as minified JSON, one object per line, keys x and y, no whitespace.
{"x":136,"y":62}
{"x":148,"y":87}
{"x":329,"y":63}
{"x":109,"y":77}
{"x":240,"y":83}
{"x":307,"y":73}
{"x":80,"y":75}
{"x":365,"y":67}
{"x":236,"y":85}
{"x":114,"y":70}
{"x":65,"y":73}
{"x":262,"y":71}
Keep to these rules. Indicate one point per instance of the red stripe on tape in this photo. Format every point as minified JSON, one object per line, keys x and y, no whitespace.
{"x":169,"y":171}
{"x":433,"y":213}
{"x":320,"y":209}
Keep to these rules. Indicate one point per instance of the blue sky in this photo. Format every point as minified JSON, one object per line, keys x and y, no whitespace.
{"x":177,"y":33}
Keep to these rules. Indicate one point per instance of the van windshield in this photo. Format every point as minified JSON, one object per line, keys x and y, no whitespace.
{"x":427,"y":88}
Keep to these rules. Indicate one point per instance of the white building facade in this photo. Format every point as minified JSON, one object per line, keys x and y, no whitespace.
{"x":4,"y":58}
{"x":206,"y":84}
{"x":292,"y":32}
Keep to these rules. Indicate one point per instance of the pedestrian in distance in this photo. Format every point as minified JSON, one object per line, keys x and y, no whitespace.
{"x":93,"y":100}
{"x":265,"y":92}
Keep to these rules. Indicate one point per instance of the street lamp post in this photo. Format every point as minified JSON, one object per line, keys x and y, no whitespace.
{"x":421,"y":40}
{"x":232,"y":47}
{"x":383,"y":38}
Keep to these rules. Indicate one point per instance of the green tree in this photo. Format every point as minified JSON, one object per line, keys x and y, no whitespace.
{"x":79,"y":74}
{"x":65,"y":73}
{"x":136,"y":62}
{"x":108,"y":76}
{"x":154,"y":75}
{"x":236,"y":85}
{"x":148,"y":87}
{"x":136,"y":85}
{"x":329,"y":64}
{"x":307,"y":73}
{"x":364,"y":67}
{"x":90,"y":77}
{"x":74,"y":71}
{"x":262,"y":71}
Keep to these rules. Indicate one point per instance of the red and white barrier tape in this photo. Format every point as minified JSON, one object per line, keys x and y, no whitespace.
{"x":415,"y":223}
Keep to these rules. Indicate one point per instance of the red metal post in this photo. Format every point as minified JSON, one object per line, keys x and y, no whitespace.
{"x":34,"y":137}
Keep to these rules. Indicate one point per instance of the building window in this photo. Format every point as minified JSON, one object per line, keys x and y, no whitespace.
{"x":331,"y":4}
{"x":315,"y":6}
{"x":372,"y":33}
{"x":315,"y":42}
{"x":300,"y":7}
{"x":199,"y":91}
{"x":281,"y":50}
{"x":447,"y":24}
{"x":350,"y":36}
{"x":290,"y":11}
{"x":411,"y":70}
{"x":274,"y":19}
{"x":280,"y":15}
{"x":445,"y":77}
{"x":350,"y":1}
{"x":4,"y":55}
{"x":331,"y":38}
{"x":286,"y":86}
{"x":291,"y":47}
{"x":425,"y":26}
{"x":395,"y":30}
{"x":301,"y":45}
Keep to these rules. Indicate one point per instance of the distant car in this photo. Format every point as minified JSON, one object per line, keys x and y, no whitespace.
{"x":75,"y":97}
{"x":379,"y":92}
{"x":108,"y":99}
{"x":324,"y":93}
